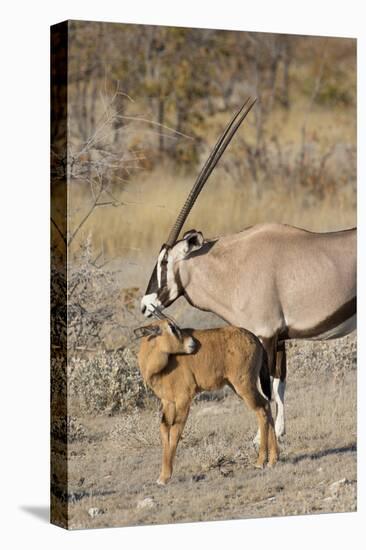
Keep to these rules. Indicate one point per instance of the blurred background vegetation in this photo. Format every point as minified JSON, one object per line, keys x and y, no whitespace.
{"x":146,"y":104}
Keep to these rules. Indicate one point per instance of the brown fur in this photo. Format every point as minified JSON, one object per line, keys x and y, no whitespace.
{"x":226,"y":355}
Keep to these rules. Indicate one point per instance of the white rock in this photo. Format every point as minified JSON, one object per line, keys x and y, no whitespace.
{"x":338,"y":483}
{"x":147,"y":502}
{"x":94,"y":512}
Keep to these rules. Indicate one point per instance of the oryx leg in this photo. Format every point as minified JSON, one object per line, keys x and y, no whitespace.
{"x":278,"y":388}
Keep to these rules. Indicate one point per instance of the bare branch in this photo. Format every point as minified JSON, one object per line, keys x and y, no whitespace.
{"x":140,"y":119}
{"x":85,"y":218}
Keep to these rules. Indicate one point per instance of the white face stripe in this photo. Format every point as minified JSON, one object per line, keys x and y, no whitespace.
{"x":171,"y":282}
{"x":158,"y":269}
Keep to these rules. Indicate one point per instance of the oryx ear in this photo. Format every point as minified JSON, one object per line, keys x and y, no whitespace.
{"x":193,"y":240}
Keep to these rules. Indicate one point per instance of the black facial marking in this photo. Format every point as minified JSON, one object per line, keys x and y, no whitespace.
{"x":175,"y":330}
{"x":164,"y":271}
{"x":153,"y":283}
{"x":162,"y":291}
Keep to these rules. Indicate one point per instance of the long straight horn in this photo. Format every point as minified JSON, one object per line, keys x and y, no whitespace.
{"x":209,"y":165}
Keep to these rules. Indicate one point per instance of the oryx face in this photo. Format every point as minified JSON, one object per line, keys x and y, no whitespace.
{"x":165,"y":285}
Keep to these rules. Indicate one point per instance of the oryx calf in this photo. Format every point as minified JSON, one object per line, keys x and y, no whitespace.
{"x":177,"y":364}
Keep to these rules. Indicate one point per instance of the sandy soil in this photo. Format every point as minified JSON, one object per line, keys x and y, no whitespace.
{"x":116,"y":459}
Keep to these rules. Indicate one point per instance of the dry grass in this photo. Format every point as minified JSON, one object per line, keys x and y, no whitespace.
{"x":232,"y":200}
{"x":113,"y":466}
{"x":133,"y":230}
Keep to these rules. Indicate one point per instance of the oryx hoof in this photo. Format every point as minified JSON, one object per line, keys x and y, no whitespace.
{"x":280,"y":431}
{"x":281,"y":438}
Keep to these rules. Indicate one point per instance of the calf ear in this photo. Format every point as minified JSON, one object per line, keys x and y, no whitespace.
{"x":149,"y":330}
{"x":193,"y":240}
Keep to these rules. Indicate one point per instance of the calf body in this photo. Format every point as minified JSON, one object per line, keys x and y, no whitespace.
{"x":178,"y":364}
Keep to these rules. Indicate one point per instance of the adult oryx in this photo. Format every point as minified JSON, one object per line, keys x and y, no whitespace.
{"x":277,"y":281}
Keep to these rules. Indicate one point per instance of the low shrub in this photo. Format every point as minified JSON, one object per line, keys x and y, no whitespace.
{"x":106,"y":382}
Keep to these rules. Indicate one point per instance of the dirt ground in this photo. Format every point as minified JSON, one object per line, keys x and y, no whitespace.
{"x":115,"y":461}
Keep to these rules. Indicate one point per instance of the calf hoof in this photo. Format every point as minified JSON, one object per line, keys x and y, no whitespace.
{"x":162,"y":481}
{"x":272,"y":462}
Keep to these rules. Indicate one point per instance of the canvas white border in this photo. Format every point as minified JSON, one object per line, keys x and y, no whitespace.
{"x":24,"y":275}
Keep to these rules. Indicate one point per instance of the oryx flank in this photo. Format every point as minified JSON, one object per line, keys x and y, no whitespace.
{"x":277,"y":281}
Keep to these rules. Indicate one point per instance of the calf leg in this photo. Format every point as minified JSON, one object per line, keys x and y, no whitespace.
{"x":171,"y":431}
{"x":263,"y":437}
{"x":167,"y":419}
{"x":165,"y":464}
{"x":267,"y":435}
